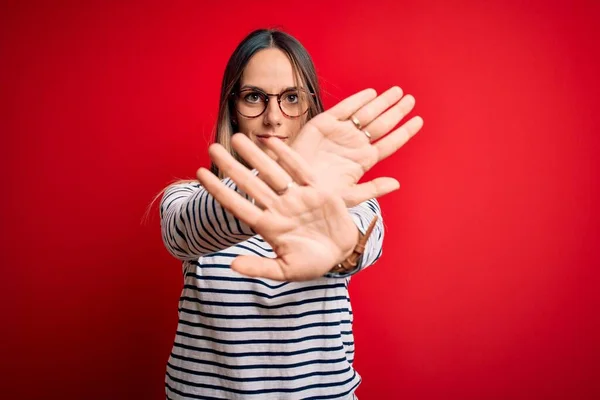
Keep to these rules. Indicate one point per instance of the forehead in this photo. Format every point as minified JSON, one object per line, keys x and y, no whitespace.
{"x":270,"y":70}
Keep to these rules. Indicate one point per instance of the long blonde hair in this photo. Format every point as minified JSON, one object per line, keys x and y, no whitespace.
{"x":305,"y":75}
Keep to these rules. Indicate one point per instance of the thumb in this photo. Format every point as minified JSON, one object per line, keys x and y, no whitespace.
{"x":258,"y":267}
{"x":375,"y":188}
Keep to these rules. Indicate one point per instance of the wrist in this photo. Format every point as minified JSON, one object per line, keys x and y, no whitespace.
{"x":352,"y":260}
{"x":350,"y":250}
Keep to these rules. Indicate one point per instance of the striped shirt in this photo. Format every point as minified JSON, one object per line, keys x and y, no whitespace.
{"x":248,"y":338}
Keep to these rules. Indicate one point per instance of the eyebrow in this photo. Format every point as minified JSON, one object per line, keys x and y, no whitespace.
{"x":264,"y":91}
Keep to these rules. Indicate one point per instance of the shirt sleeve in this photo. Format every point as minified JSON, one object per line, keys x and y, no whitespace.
{"x":194,"y":224}
{"x":363,"y":214}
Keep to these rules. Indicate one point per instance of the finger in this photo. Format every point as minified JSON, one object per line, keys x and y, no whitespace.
{"x":392,"y":142}
{"x":345,"y":108}
{"x":229,"y":198}
{"x":369,"y":112}
{"x":241,"y":175}
{"x":259,"y":267}
{"x":386,"y":121}
{"x":292,"y":162}
{"x":378,"y":187}
{"x":269,"y":170}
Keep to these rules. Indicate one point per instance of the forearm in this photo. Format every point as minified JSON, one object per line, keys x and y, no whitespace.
{"x":193,"y":223}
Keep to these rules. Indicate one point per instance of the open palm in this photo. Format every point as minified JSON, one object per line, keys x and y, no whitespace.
{"x":301,"y":200}
{"x":333,"y":145}
{"x":309,"y":229}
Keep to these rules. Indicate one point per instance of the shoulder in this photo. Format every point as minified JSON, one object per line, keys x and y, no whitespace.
{"x":178,"y":186}
{"x":178,"y":189}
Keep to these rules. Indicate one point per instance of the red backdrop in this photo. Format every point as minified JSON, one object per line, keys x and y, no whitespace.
{"x":487,"y":288}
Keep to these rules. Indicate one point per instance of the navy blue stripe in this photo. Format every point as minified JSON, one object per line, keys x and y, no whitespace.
{"x":255,"y":241}
{"x":195,"y":234}
{"x":189,"y":236}
{"x":224,"y":255}
{"x":258,"y":305}
{"x":237,"y":223}
{"x":262,"y":391}
{"x":205,"y":216}
{"x":223,"y":237}
{"x":199,"y":217}
{"x":212,"y":217}
{"x":334,"y":396}
{"x":259,"y":378}
{"x":208,"y":266}
{"x":228,"y":242}
{"x":198,"y":237}
{"x":361,"y":220}
{"x":194,"y":396}
{"x":264,"y":316}
{"x":173,"y":241}
{"x":267,"y":365}
{"x":227,"y":217}
{"x":167,"y":204}
{"x":235,"y":279}
{"x":260,"y":353}
{"x":233,"y":255}
{"x":372,"y":206}
{"x":260,"y":294}
{"x":261,"y":328}
{"x":261,"y":253}
{"x":224,"y":219}
{"x":198,"y":233}
{"x":232,"y":185}
{"x":186,"y":234}
{"x":259,"y":341}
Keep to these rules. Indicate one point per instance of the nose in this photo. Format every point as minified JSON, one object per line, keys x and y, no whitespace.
{"x":273,"y":115}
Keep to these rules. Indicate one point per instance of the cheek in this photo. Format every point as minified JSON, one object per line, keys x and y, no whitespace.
{"x":246,"y":126}
{"x":294,"y":128}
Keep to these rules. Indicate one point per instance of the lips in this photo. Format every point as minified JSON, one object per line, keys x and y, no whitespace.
{"x":265,"y":137}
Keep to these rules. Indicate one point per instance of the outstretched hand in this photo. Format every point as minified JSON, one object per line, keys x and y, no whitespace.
{"x":340,"y":151}
{"x":302,"y":199}
{"x":309,"y":229}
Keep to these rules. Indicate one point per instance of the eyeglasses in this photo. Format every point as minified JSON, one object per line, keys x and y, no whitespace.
{"x":252,"y":102}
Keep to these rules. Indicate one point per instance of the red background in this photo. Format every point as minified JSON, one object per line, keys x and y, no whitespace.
{"x":488,"y":285}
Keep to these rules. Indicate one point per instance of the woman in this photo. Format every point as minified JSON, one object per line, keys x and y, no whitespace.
{"x":270,"y":238}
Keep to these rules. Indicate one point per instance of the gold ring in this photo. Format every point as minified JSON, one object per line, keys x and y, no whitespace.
{"x":367,"y":134}
{"x":289,"y":185}
{"x":356,"y":122}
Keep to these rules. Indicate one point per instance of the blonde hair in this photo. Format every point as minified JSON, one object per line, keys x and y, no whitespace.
{"x":304,"y":75}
